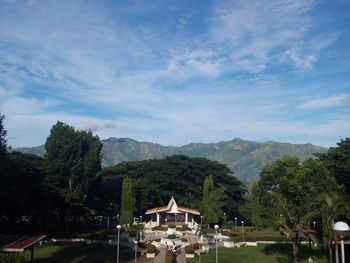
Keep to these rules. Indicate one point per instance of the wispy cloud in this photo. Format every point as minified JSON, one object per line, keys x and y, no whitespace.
{"x":333,"y":101}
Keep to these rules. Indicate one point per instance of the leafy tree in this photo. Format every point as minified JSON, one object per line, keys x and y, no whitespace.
{"x":3,"y":143}
{"x":23,"y":194}
{"x":212,"y":202}
{"x":73,"y":159}
{"x":337,"y":161}
{"x":155,"y":181}
{"x":286,"y":190}
{"x":127,"y":202}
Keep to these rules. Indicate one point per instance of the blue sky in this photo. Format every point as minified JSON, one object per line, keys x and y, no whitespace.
{"x":175,"y":72}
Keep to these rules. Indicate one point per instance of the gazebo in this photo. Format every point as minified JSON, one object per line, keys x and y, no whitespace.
{"x":172,"y":214}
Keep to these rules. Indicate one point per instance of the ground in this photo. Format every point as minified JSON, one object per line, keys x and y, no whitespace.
{"x":83,"y":253}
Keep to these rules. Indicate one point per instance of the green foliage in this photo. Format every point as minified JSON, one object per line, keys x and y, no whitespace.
{"x":73,"y":159}
{"x":151,"y":248}
{"x":337,"y":161}
{"x":212,"y":201}
{"x":286,"y":190}
{"x":11,"y":258}
{"x":3,"y":133}
{"x":127,"y":202}
{"x":155,"y":181}
{"x":245,"y":158}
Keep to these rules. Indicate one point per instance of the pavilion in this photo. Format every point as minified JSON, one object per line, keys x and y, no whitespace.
{"x":172,"y":214}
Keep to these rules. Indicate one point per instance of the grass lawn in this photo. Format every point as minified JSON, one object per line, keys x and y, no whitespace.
{"x":274,"y":253}
{"x":81,"y":253}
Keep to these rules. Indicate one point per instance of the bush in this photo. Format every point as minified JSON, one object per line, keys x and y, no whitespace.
{"x":170,"y":258}
{"x":151,"y":248}
{"x":160,"y":228}
{"x":189,"y":249}
{"x":172,"y":236}
{"x":11,"y":258}
{"x":183,"y":239}
{"x":172,"y":226}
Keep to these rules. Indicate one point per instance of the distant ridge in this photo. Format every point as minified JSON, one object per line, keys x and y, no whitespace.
{"x":244,"y":158}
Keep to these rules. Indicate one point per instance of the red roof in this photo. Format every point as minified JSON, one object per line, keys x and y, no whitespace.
{"x":13,"y":243}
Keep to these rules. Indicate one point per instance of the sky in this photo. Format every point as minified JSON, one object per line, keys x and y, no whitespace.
{"x":175,"y":72}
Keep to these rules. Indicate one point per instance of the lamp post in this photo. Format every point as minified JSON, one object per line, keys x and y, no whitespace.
{"x":175,"y":219}
{"x":118,"y":230}
{"x":216,"y":227}
{"x":314,"y":222}
{"x":236,"y":224}
{"x":166,"y":221}
{"x":135,"y":242}
{"x":201,"y":225}
{"x":118,"y":218}
{"x":242,"y":222}
{"x":224,"y":226}
{"x":342,"y":229}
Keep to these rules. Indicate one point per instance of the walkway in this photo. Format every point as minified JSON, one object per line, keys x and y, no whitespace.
{"x":181,"y":258}
{"x":160,"y":258}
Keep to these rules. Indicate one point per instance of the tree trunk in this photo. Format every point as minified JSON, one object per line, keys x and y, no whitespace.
{"x":296,"y":251}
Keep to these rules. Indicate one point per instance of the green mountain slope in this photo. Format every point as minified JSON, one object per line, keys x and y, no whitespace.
{"x":244,"y":158}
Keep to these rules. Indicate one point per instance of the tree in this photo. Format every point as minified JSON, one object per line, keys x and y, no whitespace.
{"x":155,"y":181}
{"x":73,"y":160}
{"x":127,"y":202}
{"x":212,"y":202}
{"x":3,"y":142}
{"x":286,"y":190}
{"x":337,"y":161}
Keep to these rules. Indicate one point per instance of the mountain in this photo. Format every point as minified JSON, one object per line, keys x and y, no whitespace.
{"x":244,"y":158}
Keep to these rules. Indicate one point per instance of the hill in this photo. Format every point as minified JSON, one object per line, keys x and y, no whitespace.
{"x":244,"y":158}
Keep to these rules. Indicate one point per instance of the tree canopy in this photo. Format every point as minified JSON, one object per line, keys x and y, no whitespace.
{"x":155,"y":181}
{"x":127,"y":202}
{"x":337,"y":161}
{"x":73,"y":160}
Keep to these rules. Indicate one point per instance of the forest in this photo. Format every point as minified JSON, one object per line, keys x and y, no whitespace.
{"x":68,"y":189}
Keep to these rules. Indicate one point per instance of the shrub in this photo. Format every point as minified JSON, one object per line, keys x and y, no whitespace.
{"x":172,"y":226}
{"x":160,"y":228}
{"x":151,"y":248}
{"x":189,"y":249}
{"x":172,"y":236}
{"x":170,"y":258}
{"x":11,"y":258}
{"x":183,"y":239}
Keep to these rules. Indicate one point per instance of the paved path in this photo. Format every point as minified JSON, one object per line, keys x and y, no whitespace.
{"x":181,"y":258}
{"x":160,"y":258}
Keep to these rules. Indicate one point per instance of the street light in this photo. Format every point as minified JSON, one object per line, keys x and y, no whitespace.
{"x":343,"y":230}
{"x":135,"y":242}
{"x":118,"y":229}
{"x":314,"y":222}
{"x":166,"y":221}
{"x":201,"y":225}
{"x":118,"y":217}
{"x":175,"y":218}
{"x":224,"y":226}
{"x":236,"y":224}
{"x":242,"y":222}
{"x":216,"y":227}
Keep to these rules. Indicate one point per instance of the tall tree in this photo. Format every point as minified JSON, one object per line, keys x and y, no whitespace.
{"x":73,"y":160}
{"x":127,"y":202}
{"x":287,"y":188}
{"x":3,"y":142}
{"x":337,"y":161}
{"x":213,"y":201}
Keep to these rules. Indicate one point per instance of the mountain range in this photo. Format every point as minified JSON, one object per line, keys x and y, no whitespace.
{"x":244,"y":158}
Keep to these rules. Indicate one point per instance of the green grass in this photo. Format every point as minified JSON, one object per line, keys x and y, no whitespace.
{"x":81,"y":253}
{"x":274,"y":253}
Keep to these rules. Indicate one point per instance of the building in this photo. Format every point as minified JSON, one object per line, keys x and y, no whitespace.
{"x":172,"y":214}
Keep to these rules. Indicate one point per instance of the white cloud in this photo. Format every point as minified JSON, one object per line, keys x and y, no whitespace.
{"x":300,"y":61}
{"x":333,"y":101}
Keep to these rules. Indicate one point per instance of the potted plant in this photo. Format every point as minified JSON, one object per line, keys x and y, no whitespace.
{"x":189,"y":250}
{"x":151,"y":251}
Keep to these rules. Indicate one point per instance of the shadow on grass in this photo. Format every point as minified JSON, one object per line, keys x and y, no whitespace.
{"x":286,"y":252}
{"x":80,"y":253}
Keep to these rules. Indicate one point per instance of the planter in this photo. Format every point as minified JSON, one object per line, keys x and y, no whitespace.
{"x":150,"y":255}
{"x":190,"y":255}
{"x":171,"y":231}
